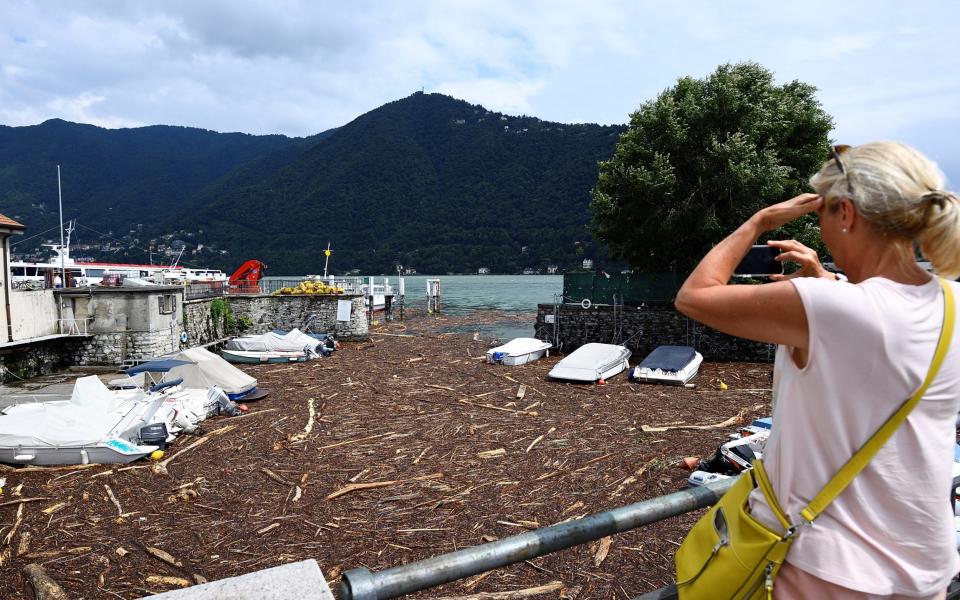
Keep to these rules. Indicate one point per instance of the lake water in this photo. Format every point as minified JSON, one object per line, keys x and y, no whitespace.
{"x":462,"y":294}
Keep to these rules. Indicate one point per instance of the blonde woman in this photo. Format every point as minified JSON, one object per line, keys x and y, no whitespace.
{"x":851,"y":352}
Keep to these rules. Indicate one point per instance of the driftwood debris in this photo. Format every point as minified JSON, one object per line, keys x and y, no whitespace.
{"x":168,"y":581}
{"x":734,"y":420}
{"x":41,"y":585}
{"x":353,"y":487}
{"x":162,"y":555}
{"x":540,"y":590}
{"x":299,"y":437}
{"x":16,"y":524}
{"x":383,"y":435}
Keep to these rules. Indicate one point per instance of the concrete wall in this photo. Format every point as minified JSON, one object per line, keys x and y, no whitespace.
{"x":642,"y":329}
{"x":126,"y":324}
{"x":34,"y":314}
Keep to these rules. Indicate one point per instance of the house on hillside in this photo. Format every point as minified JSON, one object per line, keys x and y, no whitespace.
{"x":483,"y":271}
{"x":552,"y":269}
{"x":588,"y":264}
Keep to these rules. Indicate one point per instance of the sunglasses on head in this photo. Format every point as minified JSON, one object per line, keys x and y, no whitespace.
{"x":835,"y":153}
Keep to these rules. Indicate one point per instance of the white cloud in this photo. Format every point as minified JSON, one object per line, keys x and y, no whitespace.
{"x":301,"y":66}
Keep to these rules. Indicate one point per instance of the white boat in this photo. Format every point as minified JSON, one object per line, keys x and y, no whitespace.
{"x":592,"y":362}
{"x":254,"y":357}
{"x":36,"y":275}
{"x":94,"y":426}
{"x":519,"y":351}
{"x":292,"y":341}
{"x":675,"y":365}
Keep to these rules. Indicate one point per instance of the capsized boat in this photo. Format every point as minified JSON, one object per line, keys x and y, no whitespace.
{"x":95,"y":425}
{"x":592,"y":362}
{"x":518,"y":351}
{"x":250,"y":357}
{"x":675,"y":365}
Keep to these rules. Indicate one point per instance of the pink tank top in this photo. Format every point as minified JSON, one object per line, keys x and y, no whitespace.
{"x":892,"y":529}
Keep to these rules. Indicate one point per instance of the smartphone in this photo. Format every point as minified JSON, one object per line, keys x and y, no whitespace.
{"x":760,"y":261}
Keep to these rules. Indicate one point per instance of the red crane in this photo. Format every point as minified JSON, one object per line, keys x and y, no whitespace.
{"x":246,"y":279}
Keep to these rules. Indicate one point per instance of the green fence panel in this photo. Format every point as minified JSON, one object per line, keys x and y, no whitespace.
{"x":626,"y":288}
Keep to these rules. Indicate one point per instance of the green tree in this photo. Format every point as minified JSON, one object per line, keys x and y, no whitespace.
{"x":701,"y":158}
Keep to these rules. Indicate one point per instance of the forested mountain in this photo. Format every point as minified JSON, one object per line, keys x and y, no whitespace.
{"x":113,"y":178}
{"x":429,"y":182}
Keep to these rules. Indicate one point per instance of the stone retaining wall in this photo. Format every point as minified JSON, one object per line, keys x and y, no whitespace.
{"x":641,"y":329}
{"x":127,"y":326}
{"x":37,"y":358}
{"x":272,"y":312}
{"x":288,"y":312}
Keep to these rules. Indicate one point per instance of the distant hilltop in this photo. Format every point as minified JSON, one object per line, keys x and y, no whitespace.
{"x":429,"y":182}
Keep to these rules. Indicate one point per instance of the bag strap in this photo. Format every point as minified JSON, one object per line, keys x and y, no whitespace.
{"x":863,"y":456}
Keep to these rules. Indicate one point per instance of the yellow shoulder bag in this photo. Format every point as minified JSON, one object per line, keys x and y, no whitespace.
{"x":729,"y":554}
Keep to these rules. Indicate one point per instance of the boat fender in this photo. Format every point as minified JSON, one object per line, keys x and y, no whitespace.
{"x":498,"y":357}
{"x":183,"y":337}
{"x":585,"y":304}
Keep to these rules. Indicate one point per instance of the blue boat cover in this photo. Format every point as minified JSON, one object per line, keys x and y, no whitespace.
{"x":157,"y":366}
{"x":669,"y":358}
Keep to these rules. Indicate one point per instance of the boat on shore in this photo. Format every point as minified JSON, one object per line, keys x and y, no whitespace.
{"x":672,"y":365}
{"x":519,"y":351}
{"x":37,"y":275}
{"x":592,"y":362}
{"x":95,"y":425}
{"x":257,"y":357}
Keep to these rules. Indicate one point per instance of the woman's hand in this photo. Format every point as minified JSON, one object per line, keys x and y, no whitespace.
{"x":780,"y":214}
{"x":795,"y":252}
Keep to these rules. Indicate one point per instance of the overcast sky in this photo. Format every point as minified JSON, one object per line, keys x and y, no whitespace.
{"x":885,"y":70}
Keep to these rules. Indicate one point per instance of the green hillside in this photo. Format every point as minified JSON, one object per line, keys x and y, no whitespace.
{"x":429,"y":182}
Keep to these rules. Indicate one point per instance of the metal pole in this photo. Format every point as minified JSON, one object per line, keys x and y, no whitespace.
{"x":361,"y":584}
{"x":63,"y":268}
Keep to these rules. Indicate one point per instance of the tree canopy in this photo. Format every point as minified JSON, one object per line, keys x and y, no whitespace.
{"x":701,"y":158}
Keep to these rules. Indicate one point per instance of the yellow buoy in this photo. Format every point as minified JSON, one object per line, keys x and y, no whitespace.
{"x":156,"y":455}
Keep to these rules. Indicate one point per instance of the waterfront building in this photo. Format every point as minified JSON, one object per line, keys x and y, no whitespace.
{"x":8,"y":228}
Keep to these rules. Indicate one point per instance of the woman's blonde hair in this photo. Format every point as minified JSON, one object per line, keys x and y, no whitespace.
{"x":900,"y":192}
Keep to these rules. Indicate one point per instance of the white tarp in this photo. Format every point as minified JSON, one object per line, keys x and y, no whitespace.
{"x":292,"y":341}
{"x":208,"y":370}
{"x":90,"y":414}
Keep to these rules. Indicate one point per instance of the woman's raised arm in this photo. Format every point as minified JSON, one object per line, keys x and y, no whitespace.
{"x":771,"y":312}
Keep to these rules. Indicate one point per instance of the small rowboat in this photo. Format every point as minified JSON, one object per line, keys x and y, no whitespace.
{"x":519,"y":351}
{"x":251,"y":357}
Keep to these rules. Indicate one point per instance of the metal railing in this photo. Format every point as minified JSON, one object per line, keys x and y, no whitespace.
{"x":349,"y":285}
{"x":73,"y":326}
{"x":204,"y":289}
{"x":362,"y":584}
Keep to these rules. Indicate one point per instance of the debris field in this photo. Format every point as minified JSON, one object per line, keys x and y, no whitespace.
{"x":389,"y":451}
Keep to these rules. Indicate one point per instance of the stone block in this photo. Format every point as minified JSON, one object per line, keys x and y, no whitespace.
{"x":300,"y":580}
